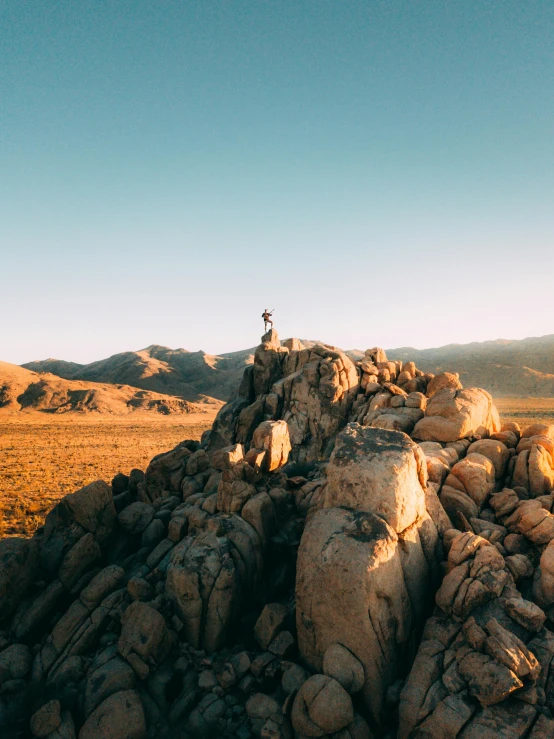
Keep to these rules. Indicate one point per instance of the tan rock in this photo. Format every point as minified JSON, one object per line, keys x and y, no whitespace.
{"x":350,"y":589}
{"x":448,"y":718}
{"x":273,"y":437}
{"x":101,"y":585}
{"x":454,"y":501}
{"x":541,"y":471}
{"x":143,"y":633}
{"x":93,"y":508}
{"x":445,"y":380}
{"x":507,"y":649}
{"x":78,"y":559}
{"x":504,"y":502}
{"x":489,"y":681}
{"x":135,"y":517}
{"x":259,"y":511}
{"x":539,"y":429}
{"x":322,"y":706}
{"x":317,"y":399}
{"x":377,"y":471}
{"x":543,"y":591}
{"x":477,"y":475}
{"x":494,"y":450}
{"x":452,"y":415}
{"x":525,"y":613}
{"x":508,"y":438}
{"x":227,"y":457}
{"x":340,"y":664}
{"x":537,"y":525}
{"x":527,"y":442}
{"x":111,"y":677}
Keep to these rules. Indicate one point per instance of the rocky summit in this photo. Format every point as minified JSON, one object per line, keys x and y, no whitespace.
{"x":355,"y":550}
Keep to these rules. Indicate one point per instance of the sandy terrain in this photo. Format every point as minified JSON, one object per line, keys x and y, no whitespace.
{"x":44,"y":457}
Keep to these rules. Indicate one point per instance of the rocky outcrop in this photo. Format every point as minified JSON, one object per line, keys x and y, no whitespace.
{"x":356,"y":549}
{"x":312,"y":390}
{"x":458,"y":414}
{"x":367,"y":560}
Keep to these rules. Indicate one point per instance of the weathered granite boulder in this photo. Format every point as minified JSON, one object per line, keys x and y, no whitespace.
{"x":350,"y":590}
{"x":273,"y":438}
{"x":456,"y":414}
{"x":377,"y":471}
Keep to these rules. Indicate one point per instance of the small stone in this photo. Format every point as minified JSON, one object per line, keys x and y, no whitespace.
{"x":225,"y":674}
{"x":241,"y":663}
{"x":260,"y":663}
{"x":207,"y":680}
{"x":282,"y":644}
{"x":260,"y":705}
{"x":246,"y":685}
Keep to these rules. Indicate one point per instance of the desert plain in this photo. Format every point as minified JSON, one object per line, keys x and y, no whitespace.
{"x":44,"y":457}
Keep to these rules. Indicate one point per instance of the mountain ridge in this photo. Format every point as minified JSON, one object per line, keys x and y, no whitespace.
{"x":23,"y":391}
{"x":504,"y":367}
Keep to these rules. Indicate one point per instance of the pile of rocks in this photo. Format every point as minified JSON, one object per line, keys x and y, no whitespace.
{"x":356,"y":549}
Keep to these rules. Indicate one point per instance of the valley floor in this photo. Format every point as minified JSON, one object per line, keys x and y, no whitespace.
{"x":43,"y":458}
{"x":526,"y":411}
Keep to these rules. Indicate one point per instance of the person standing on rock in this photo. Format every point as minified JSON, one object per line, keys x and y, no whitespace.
{"x":266,"y":315}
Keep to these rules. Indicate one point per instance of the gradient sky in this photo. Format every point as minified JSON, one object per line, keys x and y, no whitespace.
{"x":379,"y":172}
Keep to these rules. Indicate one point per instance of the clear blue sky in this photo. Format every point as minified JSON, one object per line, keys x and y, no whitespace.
{"x":379,"y":172}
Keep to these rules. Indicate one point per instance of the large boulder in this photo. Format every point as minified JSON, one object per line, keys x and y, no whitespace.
{"x":456,"y":414}
{"x":377,"y":471}
{"x":440,"y":382}
{"x":208,"y":578}
{"x":534,"y":470}
{"x":350,"y":590}
{"x":89,"y":510}
{"x":321,"y":707}
{"x":273,"y":438}
{"x":268,"y":362}
{"x":144,"y":640}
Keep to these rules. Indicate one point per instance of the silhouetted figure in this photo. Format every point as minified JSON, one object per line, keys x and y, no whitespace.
{"x":266,"y":315}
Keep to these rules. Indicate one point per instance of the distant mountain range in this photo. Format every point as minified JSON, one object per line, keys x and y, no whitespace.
{"x":176,"y":380}
{"x":193,"y":376}
{"x":505,"y":368}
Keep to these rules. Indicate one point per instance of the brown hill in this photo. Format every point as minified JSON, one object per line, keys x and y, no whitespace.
{"x":178,"y":372}
{"x":503,"y":367}
{"x":23,"y":391}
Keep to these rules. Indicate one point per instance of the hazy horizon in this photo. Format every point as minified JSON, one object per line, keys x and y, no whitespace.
{"x":253,"y":346}
{"x":380,"y":174}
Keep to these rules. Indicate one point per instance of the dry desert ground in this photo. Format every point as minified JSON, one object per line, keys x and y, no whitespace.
{"x":42,"y":458}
